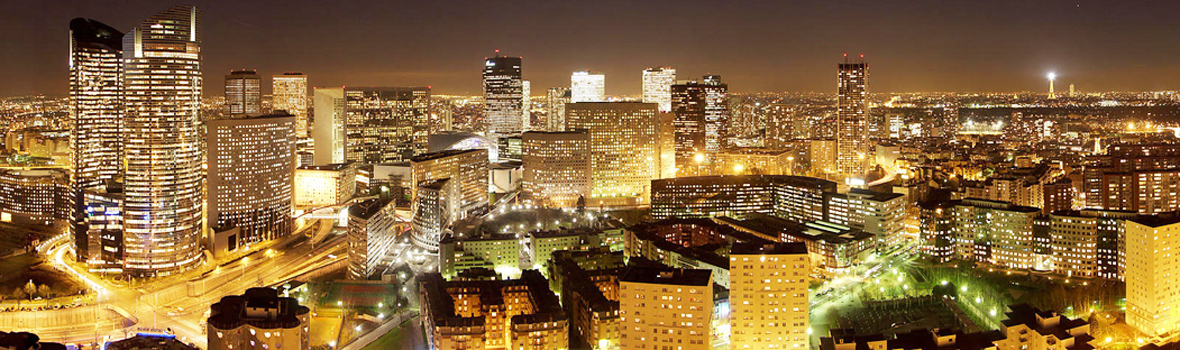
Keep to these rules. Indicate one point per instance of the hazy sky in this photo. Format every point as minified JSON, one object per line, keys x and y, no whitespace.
{"x":950,"y":45}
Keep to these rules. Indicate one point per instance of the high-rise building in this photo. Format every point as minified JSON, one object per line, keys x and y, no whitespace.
{"x":163,"y":187}
{"x":768,"y":296}
{"x":435,"y":205}
{"x":526,"y":116}
{"x":96,"y":102}
{"x":289,"y":93}
{"x":556,"y":167}
{"x":587,"y":87}
{"x":657,"y":86}
{"x":503,"y":95}
{"x":702,"y":116}
{"x":998,"y":233}
{"x":623,"y":147}
{"x":385,"y":124}
{"x":1088,"y":243}
{"x":258,"y":319}
{"x":852,"y":112}
{"x":1152,"y":266}
{"x":329,"y":125}
{"x":243,"y":92}
{"x":555,"y":104}
{"x":96,"y":112}
{"x":1142,"y":177}
{"x":666,"y":134}
{"x":373,"y":227}
{"x":665,"y":308}
{"x":250,"y":175}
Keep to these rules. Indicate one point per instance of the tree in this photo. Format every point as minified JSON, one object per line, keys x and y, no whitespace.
{"x":45,"y":291}
{"x":30,"y":289}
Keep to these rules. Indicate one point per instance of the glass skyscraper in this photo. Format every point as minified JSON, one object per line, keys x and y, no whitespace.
{"x":289,"y":93}
{"x":503,"y":95}
{"x":243,"y":92}
{"x":162,"y":84}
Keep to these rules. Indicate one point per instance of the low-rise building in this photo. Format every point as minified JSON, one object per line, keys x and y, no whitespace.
{"x":832,"y":247}
{"x":489,"y":314}
{"x":258,"y":319}
{"x":1026,"y":328}
{"x":588,"y":283}
{"x":321,"y":185}
{"x":499,"y":252}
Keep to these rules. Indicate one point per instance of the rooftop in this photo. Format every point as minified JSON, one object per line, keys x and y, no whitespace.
{"x":667,"y":275}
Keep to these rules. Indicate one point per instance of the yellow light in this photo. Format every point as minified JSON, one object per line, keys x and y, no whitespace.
{"x":738,"y":168}
{"x":699,"y":158}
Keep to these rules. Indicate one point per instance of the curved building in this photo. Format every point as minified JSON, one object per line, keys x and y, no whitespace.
{"x":461,"y":140}
{"x":162,"y":84}
{"x":259,"y":319}
{"x":96,"y":89}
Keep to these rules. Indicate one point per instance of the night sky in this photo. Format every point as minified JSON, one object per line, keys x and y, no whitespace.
{"x":912,"y":46}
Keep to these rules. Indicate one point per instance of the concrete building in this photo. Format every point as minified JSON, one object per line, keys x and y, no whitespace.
{"x":754,"y":161}
{"x":497,"y":252}
{"x":852,"y":114}
{"x":1088,"y":243}
{"x":997,"y":233}
{"x":321,"y":185}
{"x":492,"y":314}
{"x":1026,"y":328}
{"x":588,"y":283}
{"x":881,"y":214}
{"x":249,"y":179}
{"x":1152,"y":306}
{"x":623,"y":146}
{"x":34,"y":196}
{"x":665,"y":308}
{"x":258,"y":319}
{"x":1140,"y":177}
{"x":433,"y":210}
{"x":657,"y":87}
{"x":793,"y":197}
{"x":768,"y":296}
{"x":467,"y":169}
{"x":373,"y":228}
{"x":386,"y":124}
{"x":556,"y":167}
{"x":330,"y":120}
{"x":555,"y":105}
{"x":833,"y":248}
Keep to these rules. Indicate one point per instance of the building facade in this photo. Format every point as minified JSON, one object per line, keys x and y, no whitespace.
{"x":852,"y":113}
{"x":96,"y":102}
{"x":1152,"y":306}
{"x":372,"y":229}
{"x":259,"y":319}
{"x":322,"y":185}
{"x":665,"y":308}
{"x":249,"y":177}
{"x":467,"y":171}
{"x":587,"y":87}
{"x":702,"y":118}
{"x":385,"y":124}
{"x":557,"y":97}
{"x":492,"y":314}
{"x":623,"y":148}
{"x":657,"y":87}
{"x":556,"y":167}
{"x":329,"y":125}
{"x":768,"y":296}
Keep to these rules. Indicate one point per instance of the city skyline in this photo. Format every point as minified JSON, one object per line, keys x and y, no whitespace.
{"x":971,"y":51}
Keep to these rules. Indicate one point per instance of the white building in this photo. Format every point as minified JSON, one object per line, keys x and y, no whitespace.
{"x":657,"y":87}
{"x":329,"y":125}
{"x":587,"y":87}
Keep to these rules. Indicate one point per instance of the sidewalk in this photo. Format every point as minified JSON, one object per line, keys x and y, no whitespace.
{"x":369,"y":338}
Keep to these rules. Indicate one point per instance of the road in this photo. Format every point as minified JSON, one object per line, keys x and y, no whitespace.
{"x":167,"y":305}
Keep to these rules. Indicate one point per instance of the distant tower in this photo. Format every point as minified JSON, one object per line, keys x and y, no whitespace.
{"x":243,"y":92}
{"x":290,"y":95}
{"x":1052,"y":76}
{"x":587,"y":87}
{"x":526,"y":90}
{"x":657,"y":87}
{"x":1071,"y":90}
{"x":701,"y":117}
{"x":555,"y":117}
{"x":503,"y":95}
{"x":852,"y":111}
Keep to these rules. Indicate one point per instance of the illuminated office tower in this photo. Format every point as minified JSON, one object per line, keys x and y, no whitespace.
{"x":852,"y":111}
{"x":1152,"y":266}
{"x":666,"y":132}
{"x":623,"y":146}
{"x":372,"y":229}
{"x":289,"y":93}
{"x":329,"y":126}
{"x":556,"y":167}
{"x":665,"y":308}
{"x":702,"y":115}
{"x":527,"y":103}
{"x":555,"y":116}
{"x":96,"y":92}
{"x":657,"y":86}
{"x":385,"y":124}
{"x":468,"y":171}
{"x":243,"y":92}
{"x":503,"y":95}
{"x":587,"y":87}
{"x":163,"y":195}
{"x":96,"y":112}
{"x":768,"y":296}
{"x":250,"y":175}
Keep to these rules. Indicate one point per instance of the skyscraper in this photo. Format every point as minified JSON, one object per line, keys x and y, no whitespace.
{"x":702,"y":116}
{"x":503,"y":95}
{"x":526,"y":89}
{"x":96,"y":106}
{"x":852,"y":111}
{"x":623,"y":148}
{"x":555,"y":116}
{"x":329,"y":125}
{"x":250,"y":178}
{"x":96,"y":112}
{"x":587,"y":87}
{"x":385,"y":124}
{"x":1151,"y":242}
{"x":657,"y":87}
{"x":243,"y":92}
{"x":162,"y":74}
{"x":289,"y":92}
